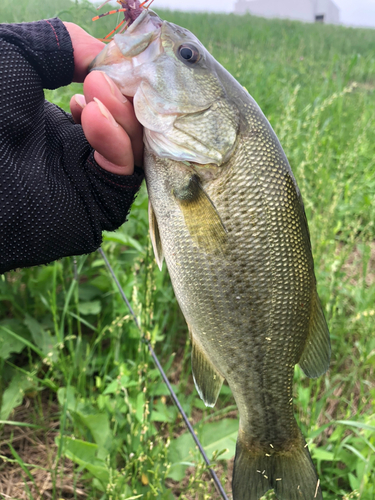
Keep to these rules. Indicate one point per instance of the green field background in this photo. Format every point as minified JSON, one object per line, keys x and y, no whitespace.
{"x":76,"y":378}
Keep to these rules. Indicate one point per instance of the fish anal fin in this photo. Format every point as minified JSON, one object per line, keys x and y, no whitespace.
{"x":289,"y":472}
{"x":201,"y":217}
{"x":207,"y":379}
{"x":155,"y":236}
{"x":316,"y":355}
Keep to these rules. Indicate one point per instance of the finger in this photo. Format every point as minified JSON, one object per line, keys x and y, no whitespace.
{"x":77,"y":103}
{"x":99,"y":85}
{"x":111,"y":142}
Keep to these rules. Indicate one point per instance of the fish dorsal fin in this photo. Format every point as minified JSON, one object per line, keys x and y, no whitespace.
{"x":155,"y":236}
{"x":201,"y":217}
{"x":207,"y":379}
{"x":316,"y":355}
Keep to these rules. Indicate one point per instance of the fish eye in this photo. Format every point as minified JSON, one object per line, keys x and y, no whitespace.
{"x":188,"y":53}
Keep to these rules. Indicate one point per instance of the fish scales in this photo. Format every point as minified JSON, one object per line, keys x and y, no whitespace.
{"x":227,"y":216}
{"x":243,"y":299}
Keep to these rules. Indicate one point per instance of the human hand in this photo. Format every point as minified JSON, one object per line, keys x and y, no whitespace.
{"x":106,"y":116}
{"x":57,"y":200}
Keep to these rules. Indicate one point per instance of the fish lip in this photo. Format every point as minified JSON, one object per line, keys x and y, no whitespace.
{"x":137,"y":22}
{"x":135,"y":29}
{"x":146,"y":13}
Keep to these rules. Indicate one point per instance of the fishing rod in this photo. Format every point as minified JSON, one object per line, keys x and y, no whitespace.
{"x":216,"y":480}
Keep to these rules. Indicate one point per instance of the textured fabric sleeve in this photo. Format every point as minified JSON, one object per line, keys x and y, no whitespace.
{"x":46,"y":46}
{"x":55,"y":200}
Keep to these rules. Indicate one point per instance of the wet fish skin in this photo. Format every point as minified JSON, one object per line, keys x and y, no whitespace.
{"x":249,"y":311}
{"x":234,"y":235}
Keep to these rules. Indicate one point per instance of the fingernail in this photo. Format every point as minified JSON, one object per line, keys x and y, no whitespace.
{"x":80,"y":100}
{"x":114,"y":89}
{"x":104,"y":111}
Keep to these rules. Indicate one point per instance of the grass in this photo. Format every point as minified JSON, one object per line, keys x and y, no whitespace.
{"x":84,"y":411}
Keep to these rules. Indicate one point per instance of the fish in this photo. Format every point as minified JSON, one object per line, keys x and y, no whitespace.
{"x":227,"y":217}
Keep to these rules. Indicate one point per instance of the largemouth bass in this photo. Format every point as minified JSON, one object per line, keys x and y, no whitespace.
{"x":227,"y":216}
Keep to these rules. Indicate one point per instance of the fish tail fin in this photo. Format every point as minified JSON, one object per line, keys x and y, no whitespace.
{"x":290,"y":473}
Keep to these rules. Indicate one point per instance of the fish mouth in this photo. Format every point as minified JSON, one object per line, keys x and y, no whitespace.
{"x":139,"y":44}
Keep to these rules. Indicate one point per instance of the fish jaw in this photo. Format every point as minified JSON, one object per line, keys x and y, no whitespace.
{"x":185,"y":136}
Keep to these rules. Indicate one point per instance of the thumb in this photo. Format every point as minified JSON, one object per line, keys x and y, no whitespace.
{"x":85,"y":49}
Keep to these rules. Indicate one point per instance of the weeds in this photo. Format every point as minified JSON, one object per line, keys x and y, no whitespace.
{"x":83,"y":410}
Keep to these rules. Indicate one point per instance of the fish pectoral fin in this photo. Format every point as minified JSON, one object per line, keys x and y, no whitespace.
{"x":201,"y":217}
{"x":316,"y":355}
{"x":155,"y":236}
{"x":207,"y":379}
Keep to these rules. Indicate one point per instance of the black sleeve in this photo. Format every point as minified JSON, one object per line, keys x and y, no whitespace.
{"x":55,"y":200}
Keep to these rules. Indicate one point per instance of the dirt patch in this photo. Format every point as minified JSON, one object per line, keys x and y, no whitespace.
{"x":360,"y":265}
{"x":366,"y":86}
{"x":28,"y":462}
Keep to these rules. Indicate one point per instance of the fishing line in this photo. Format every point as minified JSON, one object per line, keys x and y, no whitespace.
{"x":164,"y":377}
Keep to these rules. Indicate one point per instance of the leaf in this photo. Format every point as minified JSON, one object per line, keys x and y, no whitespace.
{"x":215,"y":436}
{"x":21,"y":463}
{"x":42,"y":338}
{"x":112,"y":388}
{"x":84,"y":454}
{"x":96,"y":422}
{"x":359,"y":425}
{"x":140,"y":406}
{"x":163,"y":413}
{"x":355,"y":451}
{"x":102,"y":282}
{"x":20,"y":424}
{"x":67,"y":396}
{"x":20,"y":338}
{"x":220,"y":435}
{"x":159,"y":389}
{"x":225,"y":390}
{"x":180,"y":454}
{"x":116,"y":385}
{"x":123,"y":239}
{"x":315,"y":433}
{"x":355,"y":484}
{"x":319,"y":454}
{"x":98,"y":425}
{"x":8,"y":343}
{"x":88,"y":292}
{"x":93,"y":307}
{"x":13,"y":394}
{"x":160,"y":417}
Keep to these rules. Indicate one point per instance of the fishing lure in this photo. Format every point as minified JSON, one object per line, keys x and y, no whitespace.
{"x":131,"y":9}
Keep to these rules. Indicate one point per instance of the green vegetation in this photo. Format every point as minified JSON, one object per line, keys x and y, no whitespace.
{"x":79,"y":386}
